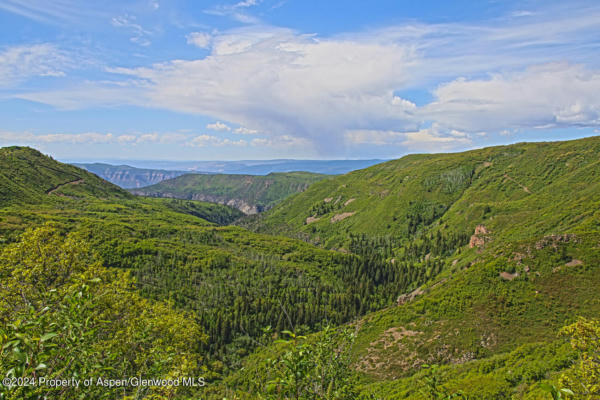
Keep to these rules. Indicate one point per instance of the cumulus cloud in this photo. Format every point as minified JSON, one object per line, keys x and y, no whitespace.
{"x":433,"y":138}
{"x":125,"y":139}
{"x":219,"y":126}
{"x":208,"y":140}
{"x":542,"y":96}
{"x":245,"y":131}
{"x":18,"y":63}
{"x":199,"y":39}
{"x":283,"y":84}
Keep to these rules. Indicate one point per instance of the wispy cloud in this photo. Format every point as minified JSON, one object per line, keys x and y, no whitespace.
{"x":19,"y":63}
{"x":139,"y":36}
{"x":29,"y":138}
{"x":73,"y":138}
{"x":55,"y":11}
{"x":237,"y":11}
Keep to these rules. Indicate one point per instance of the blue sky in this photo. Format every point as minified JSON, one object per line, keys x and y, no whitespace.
{"x":252,"y":79}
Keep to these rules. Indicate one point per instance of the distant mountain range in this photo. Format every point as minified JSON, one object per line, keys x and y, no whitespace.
{"x":137,"y":174}
{"x":251,"y":167}
{"x":129,"y":177}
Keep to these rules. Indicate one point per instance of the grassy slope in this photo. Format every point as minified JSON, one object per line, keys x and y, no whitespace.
{"x":27,"y":176}
{"x":257,"y":191}
{"x":540,"y":203}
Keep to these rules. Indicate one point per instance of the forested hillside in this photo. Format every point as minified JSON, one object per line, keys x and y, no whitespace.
{"x":233,"y":281}
{"x":27,"y":176}
{"x":531,"y":184}
{"x":506,"y":239}
{"x":432,"y":276}
{"x":248,"y":193}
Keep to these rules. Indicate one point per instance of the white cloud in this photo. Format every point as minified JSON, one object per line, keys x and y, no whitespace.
{"x":208,"y":140}
{"x":199,"y":39}
{"x":246,"y":3}
{"x":228,"y":142}
{"x":260,"y":142}
{"x":280,"y":84}
{"x":140,"y":35}
{"x":542,"y":96}
{"x":284,"y":142}
{"x":219,"y":126}
{"x":245,"y":131}
{"x":431,"y":139}
{"x":74,"y":138}
{"x":374,"y":137}
{"x":19,"y":63}
{"x":522,"y":13}
{"x":237,"y":11}
{"x":55,"y":12}
{"x":148,"y":137}
{"x":28,"y":138}
{"x":125,"y":139}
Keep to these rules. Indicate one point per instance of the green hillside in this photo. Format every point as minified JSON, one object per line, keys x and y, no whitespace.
{"x":248,"y":193}
{"x":532,"y":184}
{"x":28,"y":176}
{"x":455,"y":272}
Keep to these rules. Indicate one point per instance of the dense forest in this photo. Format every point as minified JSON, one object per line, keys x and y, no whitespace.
{"x":468,"y":275}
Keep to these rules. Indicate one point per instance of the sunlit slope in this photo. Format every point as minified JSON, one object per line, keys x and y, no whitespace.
{"x":27,"y":176}
{"x":528,"y":186}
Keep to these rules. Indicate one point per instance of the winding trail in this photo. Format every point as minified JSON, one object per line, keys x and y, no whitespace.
{"x":54,"y":189}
